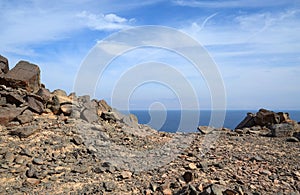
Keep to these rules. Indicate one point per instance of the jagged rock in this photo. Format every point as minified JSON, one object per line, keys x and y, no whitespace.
{"x":67,"y":109}
{"x":24,"y":75}
{"x":7,"y":114}
{"x":4,"y":68}
{"x":25,"y":117}
{"x":263,"y":118}
{"x":109,"y":116}
{"x":248,"y":121}
{"x":266,"y":117}
{"x":44,"y":94}
{"x":282,"y":130}
{"x":188,"y":176}
{"x":24,"y":132}
{"x":103,"y":107}
{"x":11,"y":98}
{"x":89,"y":115}
{"x":213,"y":189}
{"x":130,"y":120}
{"x":35,"y":105}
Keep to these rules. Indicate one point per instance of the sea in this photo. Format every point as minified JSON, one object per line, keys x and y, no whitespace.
{"x":189,"y":120}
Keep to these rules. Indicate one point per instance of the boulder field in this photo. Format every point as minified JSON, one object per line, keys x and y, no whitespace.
{"x":58,"y":143}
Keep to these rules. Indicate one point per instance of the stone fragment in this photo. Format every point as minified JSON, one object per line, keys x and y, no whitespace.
{"x":213,"y":189}
{"x":167,"y":191}
{"x":282,"y":130}
{"x":35,"y":105}
{"x":24,"y":75}
{"x":25,"y":117}
{"x":205,"y":129}
{"x":4,"y":68}
{"x":89,"y":115}
{"x":7,"y":114}
{"x":32,"y":181}
{"x":248,"y":121}
{"x":12,"y":98}
{"x":192,"y":166}
{"x":44,"y":94}
{"x":24,"y":132}
{"x":109,"y":186}
{"x":188,"y":176}
{"x":126,"y":174}
{"x":130,"y":120}
{"x":9,"y":157}
{"x":292,"y":139}
{"x":38,"y":161}
{"x":67,"y":109}
{"x":77,"y":140}
{"x":103,"y":107}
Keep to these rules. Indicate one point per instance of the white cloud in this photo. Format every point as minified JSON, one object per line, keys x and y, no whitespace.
{"x":104,"y":22}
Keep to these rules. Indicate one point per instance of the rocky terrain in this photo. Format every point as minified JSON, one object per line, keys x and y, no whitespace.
{"x":55,"y":143}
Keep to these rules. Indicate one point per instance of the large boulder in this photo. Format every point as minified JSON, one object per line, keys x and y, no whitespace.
{"x":24,"y":75}
{"x":283,"y":130}
{"x":8,"y":114}
{"x":4,"y":68}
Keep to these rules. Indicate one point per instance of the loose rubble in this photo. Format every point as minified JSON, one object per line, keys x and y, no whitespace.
{"x":55,"y":143}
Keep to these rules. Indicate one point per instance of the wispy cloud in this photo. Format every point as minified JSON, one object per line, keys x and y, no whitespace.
{"x":104,"y":22}
{"x":231,"y":4}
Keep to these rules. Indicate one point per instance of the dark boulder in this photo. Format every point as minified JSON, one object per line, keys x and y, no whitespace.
{"x":24,"y":75}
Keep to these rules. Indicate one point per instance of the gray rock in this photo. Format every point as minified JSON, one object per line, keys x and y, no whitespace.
{"x":89,"y":115}
{"x":205,"y":129}
{"x":282,"y":130}
{"x":292,"y":139}
{"x":44,"y":94}
{"x":9,"y":157}
{"x":35,"y":105}
{"x":38,"y":161}
{"x":24,"y":132}
{"x":109,"y":186}
{"x":25,"y":117}
{"x":213,"y":189}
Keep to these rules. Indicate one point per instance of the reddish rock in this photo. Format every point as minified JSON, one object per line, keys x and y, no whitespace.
{"x":7,"y":114}
{"x":24,"y":75}
{"x":3,"y":65}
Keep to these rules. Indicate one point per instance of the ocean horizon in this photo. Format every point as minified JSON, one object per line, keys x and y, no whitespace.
{"x":172,"y":121}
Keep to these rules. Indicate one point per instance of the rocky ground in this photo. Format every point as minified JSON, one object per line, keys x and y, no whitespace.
{"x":54,"y":143}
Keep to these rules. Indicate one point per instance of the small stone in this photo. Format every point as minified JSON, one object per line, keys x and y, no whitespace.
{"x":257,"y":159}
{"x":167,"y":191}
{"x":153,"y":186}
{"x":266,"y":172}
{"x":205,"y":129}
{"x":126,"y":174}
{"x":38,"y":161}
{"x":109,"y":186}
{"x":188,"y":176}
{"x":31,"y":173}
{"x":192,"y":166}
{"x":77,"y":140}
{"x":292,"y":139}
{"x":33,"y":181}
{"x":9,"y":157}
{"x":20,"y":159}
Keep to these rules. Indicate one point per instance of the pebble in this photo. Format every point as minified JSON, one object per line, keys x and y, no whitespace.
{"x":38,"y":161}
{"x":192,"y":166}
{"x":188,"y":176}
{"x":126,"y":174}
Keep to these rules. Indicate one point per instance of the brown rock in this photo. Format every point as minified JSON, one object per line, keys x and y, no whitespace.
{"x":24,"y":75}
{"x":205,"y":129}
{"x":7,"y":114}
{"x":3,"y":65}
{"x":188,"y":176}
{"x":266,"y":117}
{"x":24,"y":132}
{"x":44,"y":94}
{"x":247,"y":122}
{"x":66,"y":109}
{"x":126,"y":174}
{"x":25,"y":117}
{"x":35,"y":105}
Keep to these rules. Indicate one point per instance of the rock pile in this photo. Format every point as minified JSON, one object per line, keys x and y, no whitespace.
{"x":275,"y":124}
{"x":55,"y":143}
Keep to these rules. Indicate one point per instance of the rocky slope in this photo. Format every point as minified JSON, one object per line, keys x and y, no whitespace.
{"x":54,"y":143}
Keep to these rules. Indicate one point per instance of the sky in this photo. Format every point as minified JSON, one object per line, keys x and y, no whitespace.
{"x":254,"y":44}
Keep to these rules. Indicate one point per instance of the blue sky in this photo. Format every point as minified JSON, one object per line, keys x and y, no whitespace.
{"x":255,"y":44}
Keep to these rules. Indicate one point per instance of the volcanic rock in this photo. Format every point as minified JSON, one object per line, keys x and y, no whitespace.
{"x":24,"y":75}
{"x":3,"y":65}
